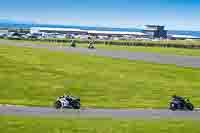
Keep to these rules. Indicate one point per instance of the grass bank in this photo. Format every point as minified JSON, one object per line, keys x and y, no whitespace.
{"x":37,"y":76}
{"x":11,"y":124}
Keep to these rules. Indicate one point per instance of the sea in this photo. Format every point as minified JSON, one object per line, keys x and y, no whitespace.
{"x":27,"y":25}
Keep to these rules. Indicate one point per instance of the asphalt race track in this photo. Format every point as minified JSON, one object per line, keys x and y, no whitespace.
{"x":184,"y":61}
{"x":98,"y":113}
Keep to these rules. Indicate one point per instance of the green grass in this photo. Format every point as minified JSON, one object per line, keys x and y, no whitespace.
{"x":11,"y":124}
{"x":178,"y":42}
{"x":160,"y":50}
{"x":36,"y":76}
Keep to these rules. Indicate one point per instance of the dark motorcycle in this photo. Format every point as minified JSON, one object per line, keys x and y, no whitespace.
{"x":179,"y":103}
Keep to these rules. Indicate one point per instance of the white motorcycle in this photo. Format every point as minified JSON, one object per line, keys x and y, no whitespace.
{"x":69,"y":102}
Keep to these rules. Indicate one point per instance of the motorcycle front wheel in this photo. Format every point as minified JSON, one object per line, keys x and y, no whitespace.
{"x":190,"y":106}
{"x":57,"y":104}
{"x":173,"y":106}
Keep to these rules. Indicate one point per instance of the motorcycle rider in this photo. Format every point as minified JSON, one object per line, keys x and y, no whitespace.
{"x":67,"y":101}
{"x":179,"y":99}
{"x":91,"y":43}
{"x":73,"y":43}
{"x":175,"y":97}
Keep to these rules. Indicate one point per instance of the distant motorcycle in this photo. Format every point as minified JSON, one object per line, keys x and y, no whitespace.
{"x":69,"y":102}
{"x":91,"y":43}
{"x":73,"y":44}
{"x":180,"y":103}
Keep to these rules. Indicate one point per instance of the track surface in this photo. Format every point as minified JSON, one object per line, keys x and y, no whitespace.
{"x":184,"y":61}
{"x":98,"y":113}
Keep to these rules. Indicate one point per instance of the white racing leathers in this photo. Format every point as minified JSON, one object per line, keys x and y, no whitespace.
{"x":64,"y":102}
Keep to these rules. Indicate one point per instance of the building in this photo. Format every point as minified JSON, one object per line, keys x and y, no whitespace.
{"x":57,"y":30}
{"x":3,"y":30}
{"x":115,"y":33}
{"x":19,"y":30}
{"x":87,"y":32}
{"x":155,"y":31}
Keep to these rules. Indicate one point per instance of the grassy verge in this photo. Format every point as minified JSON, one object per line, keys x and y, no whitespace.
{"x":36,"y":76}
{"x":160,"y":50}
{"x":11,"y":124}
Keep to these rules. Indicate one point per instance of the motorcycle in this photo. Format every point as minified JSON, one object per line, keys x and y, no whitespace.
{"x":69,"y":102}
{"x":179,"y":103}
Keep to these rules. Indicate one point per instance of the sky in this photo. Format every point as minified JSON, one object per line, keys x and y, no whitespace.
{"x":174,"y":14}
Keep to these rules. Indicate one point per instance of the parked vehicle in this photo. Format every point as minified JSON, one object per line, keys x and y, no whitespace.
{"x":3,"y":35}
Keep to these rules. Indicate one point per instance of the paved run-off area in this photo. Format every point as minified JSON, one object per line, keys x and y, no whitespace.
{"x":185,"y":61}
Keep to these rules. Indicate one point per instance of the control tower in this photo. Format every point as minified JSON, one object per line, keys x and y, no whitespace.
{"x":156,"y":31}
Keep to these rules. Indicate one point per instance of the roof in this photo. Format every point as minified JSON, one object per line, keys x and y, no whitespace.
{"x":154,"y":25}
{"x":115,"y":32}
{"x":185,"y":36}
{"x":57,"y":29}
